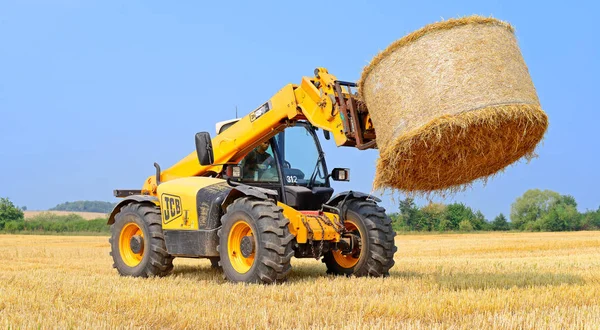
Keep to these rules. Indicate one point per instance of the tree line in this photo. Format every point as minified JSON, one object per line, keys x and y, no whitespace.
{"x":535,"y":210}
{"x":52,"y":223}
{"x":12,"y":220}
{"x":85,"y":206}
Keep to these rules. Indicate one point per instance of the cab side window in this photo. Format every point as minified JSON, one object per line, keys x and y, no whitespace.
{"x":259,"y":165}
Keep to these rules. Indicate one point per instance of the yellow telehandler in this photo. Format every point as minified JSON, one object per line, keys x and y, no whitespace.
{"x":258,"y":194}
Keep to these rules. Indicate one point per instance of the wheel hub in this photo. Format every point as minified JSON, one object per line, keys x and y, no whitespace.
{"x":350,"y":243}
{"x":349,"y":252}
{"x":136,"y":243}
{"x":247,"y":246}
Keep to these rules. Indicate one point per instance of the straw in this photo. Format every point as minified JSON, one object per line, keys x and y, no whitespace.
{"x":451,"y":103}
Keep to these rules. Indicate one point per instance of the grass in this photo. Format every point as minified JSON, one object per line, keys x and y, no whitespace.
{"x":53,"y":233}
{"x":85,"y":215}
{"x":51,"y":223}
{"x":492,"y":280}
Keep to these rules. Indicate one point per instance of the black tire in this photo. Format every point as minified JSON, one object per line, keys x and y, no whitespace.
{"x":377,"y":241}
{"x":271,"y":236}
{"x":155,"y":261}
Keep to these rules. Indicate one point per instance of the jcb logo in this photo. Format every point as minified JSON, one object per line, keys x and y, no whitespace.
{"x":171,"y":206}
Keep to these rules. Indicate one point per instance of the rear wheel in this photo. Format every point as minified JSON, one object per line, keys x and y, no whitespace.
{"x":255,"y":244}
{"x":137,"y":242}
{"x":374,"y":255}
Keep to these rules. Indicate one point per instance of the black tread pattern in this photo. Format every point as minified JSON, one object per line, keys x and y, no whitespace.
{"x":159,"y":262}
{"x":382,"y":247}
{"x":274,"y":246}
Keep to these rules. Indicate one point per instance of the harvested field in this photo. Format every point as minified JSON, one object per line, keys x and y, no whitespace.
{"x":85,"y":215}
{"x":506,"y":280}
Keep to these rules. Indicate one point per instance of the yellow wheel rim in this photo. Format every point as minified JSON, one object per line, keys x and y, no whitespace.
{"x":239,"y":230}
{"x":347,"y":260}
{"x":129,"y":257}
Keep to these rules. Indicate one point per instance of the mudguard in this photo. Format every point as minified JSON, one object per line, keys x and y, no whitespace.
{"x":130,"y":199}
{"x":235,"y":192}
{"x":246,"y":190}
{"x":335,"y":199}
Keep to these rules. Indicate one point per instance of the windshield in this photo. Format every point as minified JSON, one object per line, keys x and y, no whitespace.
{"x":300,"y":157}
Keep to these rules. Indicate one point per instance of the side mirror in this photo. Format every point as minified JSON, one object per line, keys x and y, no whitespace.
{"x":326,"y":134}
{"x":340,"y":174}
{"x":204,"y":149}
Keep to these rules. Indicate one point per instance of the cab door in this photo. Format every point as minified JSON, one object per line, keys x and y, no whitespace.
{"x":262,"y":168}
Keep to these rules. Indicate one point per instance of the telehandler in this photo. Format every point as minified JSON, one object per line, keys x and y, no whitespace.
{"x":258,"y":194}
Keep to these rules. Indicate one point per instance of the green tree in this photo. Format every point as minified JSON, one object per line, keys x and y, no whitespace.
{"x":397,"y":223}
{"x":457,"y":212}
{"x":500,"y":223}
{"x":465,"y":225}
{"x":14,"y":226}
{"x":411,"y":216}
{"x":546,"y":210}
{"x":533,"y":205}
{"x":560,"y":217}
{"x":444,"y":225}
{"x":568,"y":200}
{"x":9,"y":212}
{"x":433,"y":214}
{"x":590,"y":220}
{"x":85,"y":206}
{"x":407,"y":206}
{"x":479,"y":221}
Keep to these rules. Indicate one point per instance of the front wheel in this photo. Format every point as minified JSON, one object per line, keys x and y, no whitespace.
{"x":374,"y":255}
{"x":255,"y":244}
{"x":137,"y":242}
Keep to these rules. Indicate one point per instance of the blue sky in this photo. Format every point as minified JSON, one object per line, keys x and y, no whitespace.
{"x":93,"y":92}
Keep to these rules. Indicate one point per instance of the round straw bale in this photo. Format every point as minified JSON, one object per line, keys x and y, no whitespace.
{"x":451,"y":103}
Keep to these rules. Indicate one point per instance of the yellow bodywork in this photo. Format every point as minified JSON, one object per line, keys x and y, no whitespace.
{"x":314,"y":227}
{"x":178,"y":207}
{"x":313,"y":100}
{"x":186,"y":217}
{"x":292,"y":102}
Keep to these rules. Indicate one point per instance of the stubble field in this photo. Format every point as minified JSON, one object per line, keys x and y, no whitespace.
{"x":507,"y":280}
